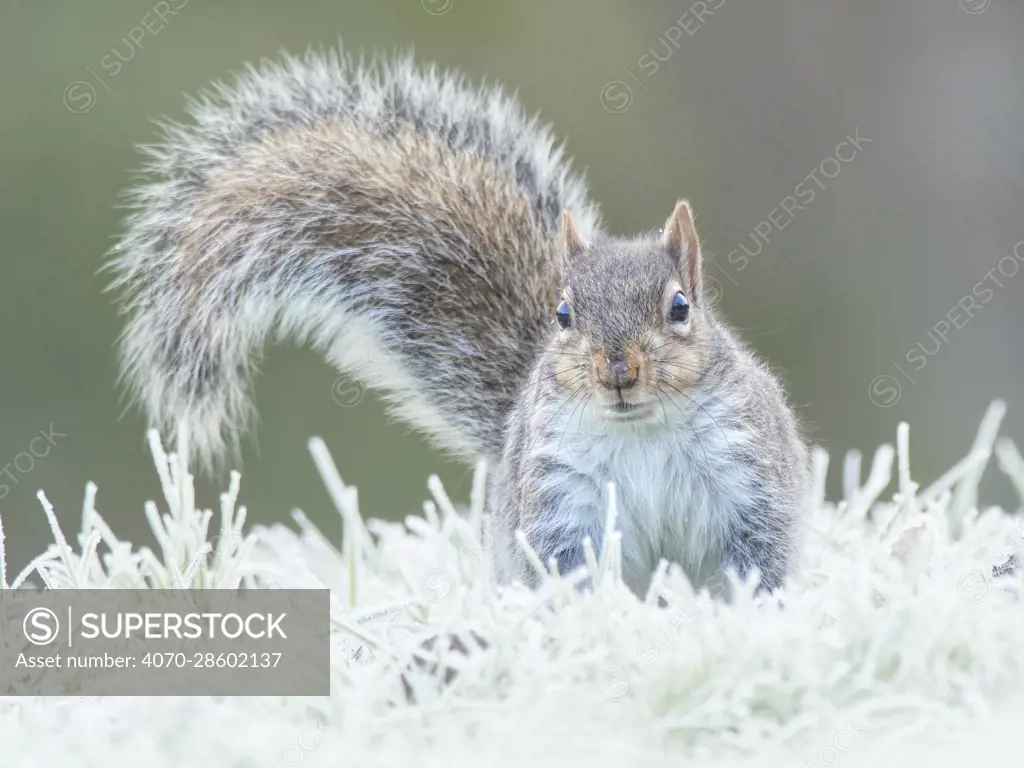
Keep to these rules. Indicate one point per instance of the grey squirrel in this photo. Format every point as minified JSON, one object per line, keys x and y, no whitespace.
{"x":430,"y":239}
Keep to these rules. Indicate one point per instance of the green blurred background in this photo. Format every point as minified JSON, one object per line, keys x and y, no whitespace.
{"x":732,"y":109}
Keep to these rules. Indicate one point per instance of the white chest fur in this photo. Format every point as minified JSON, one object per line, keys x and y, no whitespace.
{"x":679,"y":486}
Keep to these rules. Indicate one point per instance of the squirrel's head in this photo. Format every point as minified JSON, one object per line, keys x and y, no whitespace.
{"x":631,"y":325}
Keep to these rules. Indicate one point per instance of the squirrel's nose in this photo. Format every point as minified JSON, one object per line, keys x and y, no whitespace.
{"x":618,"y":375}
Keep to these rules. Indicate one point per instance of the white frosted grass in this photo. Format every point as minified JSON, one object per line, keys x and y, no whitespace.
{"x":892,"y":645}
{"x":1011,"y":462}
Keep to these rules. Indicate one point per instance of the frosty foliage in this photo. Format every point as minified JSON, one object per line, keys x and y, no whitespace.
{"x":894,"y":643}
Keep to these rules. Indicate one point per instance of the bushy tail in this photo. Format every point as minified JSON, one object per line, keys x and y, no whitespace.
{"x":392,"y":217}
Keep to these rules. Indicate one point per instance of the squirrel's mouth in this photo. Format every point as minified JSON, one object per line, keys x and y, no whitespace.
{"x":624,"y":407}
{"x":623,"y":411}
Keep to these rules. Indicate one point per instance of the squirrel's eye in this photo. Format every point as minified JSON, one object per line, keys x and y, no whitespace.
{"x":562,"y":314}
{"x":680,"y":311}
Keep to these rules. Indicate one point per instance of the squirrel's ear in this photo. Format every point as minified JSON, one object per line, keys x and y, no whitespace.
{"x":682,"y":242}
{"x":572,"y":243}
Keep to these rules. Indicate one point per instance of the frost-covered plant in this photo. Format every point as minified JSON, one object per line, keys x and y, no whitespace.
{"x":895,"y":621}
